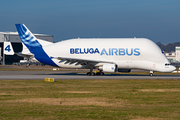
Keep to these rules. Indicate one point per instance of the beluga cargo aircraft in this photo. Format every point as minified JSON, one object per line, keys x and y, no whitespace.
{"x":104,"y":54}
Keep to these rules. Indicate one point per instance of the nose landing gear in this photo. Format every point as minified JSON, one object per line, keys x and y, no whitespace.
{"x":151,"y":73}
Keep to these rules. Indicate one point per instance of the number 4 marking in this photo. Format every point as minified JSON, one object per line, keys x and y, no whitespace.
{"x":8,"y":48}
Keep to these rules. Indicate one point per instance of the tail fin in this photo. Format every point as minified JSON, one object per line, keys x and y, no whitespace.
{"x":34,"y":46}
{"x":25,"y":50}
{"x":29,"y":40}
{"x":8,"y":49}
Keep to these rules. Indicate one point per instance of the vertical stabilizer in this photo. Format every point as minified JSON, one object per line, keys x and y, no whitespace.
{"x":34,"y":46}
{"x":29,"y":40}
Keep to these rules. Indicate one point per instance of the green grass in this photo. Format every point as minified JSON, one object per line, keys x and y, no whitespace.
{"x":90,"y":99}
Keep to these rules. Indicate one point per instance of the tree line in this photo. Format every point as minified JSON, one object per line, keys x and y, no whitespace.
{"x":168,"y":47}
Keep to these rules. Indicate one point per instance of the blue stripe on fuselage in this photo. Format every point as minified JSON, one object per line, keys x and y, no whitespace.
{"x":42,"y":57}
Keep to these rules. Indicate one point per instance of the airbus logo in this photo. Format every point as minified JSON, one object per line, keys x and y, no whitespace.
{"x":108,"y":52}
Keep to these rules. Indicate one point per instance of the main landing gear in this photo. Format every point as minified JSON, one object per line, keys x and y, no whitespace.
{"x":97,"y":73}
{"x":93,"y":73}
{"x":151,"y":73}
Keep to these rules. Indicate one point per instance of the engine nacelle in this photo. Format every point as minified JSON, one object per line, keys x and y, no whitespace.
{"x":108,"y":68}
{"x":124,"y":70}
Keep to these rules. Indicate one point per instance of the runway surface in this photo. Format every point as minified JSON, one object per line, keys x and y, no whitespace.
{"x":59,"y":75}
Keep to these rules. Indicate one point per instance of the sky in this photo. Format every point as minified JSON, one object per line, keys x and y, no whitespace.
{"x":158,"y":20}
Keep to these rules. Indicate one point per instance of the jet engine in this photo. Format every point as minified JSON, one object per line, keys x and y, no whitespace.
{"x":108,"y":68}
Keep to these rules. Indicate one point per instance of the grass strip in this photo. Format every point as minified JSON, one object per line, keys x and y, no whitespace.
{"x":90,"y":99}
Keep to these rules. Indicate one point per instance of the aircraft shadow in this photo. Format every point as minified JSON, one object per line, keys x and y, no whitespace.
{"x":80,"y":74}
{"x":84,"y":74}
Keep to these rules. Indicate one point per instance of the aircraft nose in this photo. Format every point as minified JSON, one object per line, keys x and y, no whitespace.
{"x":173,"y":68}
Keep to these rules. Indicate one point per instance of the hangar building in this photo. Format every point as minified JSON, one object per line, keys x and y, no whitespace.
{"x":13,"y":37}
{"x":174,"y":56}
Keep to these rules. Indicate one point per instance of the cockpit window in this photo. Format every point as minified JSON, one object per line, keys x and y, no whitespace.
{"x":167,"y":64}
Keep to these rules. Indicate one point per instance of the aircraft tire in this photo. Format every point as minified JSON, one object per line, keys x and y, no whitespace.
{"x":98,"y":73}
{"x":92,"y":74}
{"x":151,"y":74}
{"x":89,"y":74}
{"x":101,"y":73}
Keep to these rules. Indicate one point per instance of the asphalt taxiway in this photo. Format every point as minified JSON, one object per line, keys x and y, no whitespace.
{"x":71,"y":75}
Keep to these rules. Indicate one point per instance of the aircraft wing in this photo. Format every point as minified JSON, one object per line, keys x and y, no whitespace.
{"x":80,"y":61}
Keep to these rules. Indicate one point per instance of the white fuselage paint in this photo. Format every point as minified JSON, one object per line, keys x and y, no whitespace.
{"x":143,"y":53}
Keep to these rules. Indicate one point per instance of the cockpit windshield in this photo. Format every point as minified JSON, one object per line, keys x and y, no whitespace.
{"x":167,"y":64}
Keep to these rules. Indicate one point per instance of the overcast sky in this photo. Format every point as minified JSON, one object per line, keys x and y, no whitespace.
{"x":158,"y":20}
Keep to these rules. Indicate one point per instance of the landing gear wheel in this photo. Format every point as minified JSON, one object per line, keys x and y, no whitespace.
{"x":98,"y":73}
{"x":151,"y":74}
{"x":91,"y":74}
{"x":101,"y":73}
